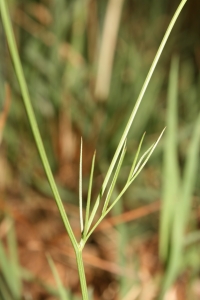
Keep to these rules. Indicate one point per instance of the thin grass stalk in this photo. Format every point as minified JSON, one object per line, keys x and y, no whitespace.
{"x":89,"y":197}
{"x":136,"y":107}
{"x":80,"y":186}
{"x":112,"y":185}
{"x":81,"y":272}
{"x":142,"y":164}
{"x":31,"y":116}
{"x":136,"y":158}
{"x":139,"y":162}
{"x":139,"y":169}
{"x":38,"y":141}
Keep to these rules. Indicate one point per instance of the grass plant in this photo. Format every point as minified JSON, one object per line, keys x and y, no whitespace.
{"x":88,"y":225}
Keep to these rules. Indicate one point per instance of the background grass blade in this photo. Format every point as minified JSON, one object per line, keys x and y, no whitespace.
{"x":183,"y":209}
{"x":6,"y":270}
{"x":61,"y":289}
{"x":171,"y":177}
{"x":9,"y":264}
{"x":107,"y":50}
{"x":14,"y":263}
{"x":190,"y":171}
{"x":4,"y":293}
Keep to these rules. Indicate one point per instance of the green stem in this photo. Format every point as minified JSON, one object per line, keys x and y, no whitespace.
{"x":31,"y":116}
{"x":32,"y":120}
{"x":81,"y":271}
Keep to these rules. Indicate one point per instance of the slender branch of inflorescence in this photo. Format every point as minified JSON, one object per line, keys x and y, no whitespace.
{"x":133,"y":114}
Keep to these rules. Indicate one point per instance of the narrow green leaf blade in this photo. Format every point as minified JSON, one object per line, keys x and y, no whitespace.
{"x":140,"y":161}
{"x":94,"y":210}
{"x":149,"y":152}
{"x":109,"y":194}
{"x":89,"y":196}
{"x":136,"y":157}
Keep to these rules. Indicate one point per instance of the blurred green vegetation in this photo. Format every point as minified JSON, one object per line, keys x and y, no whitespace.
{"x":60,"y":43}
